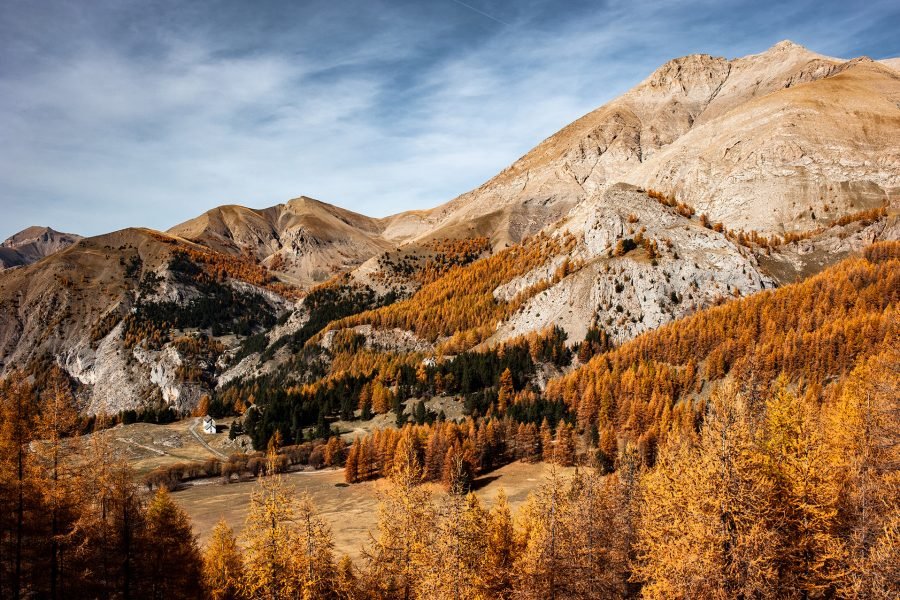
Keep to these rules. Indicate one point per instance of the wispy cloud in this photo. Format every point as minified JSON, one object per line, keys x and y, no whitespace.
{"x":481,"y":12}
{"x":148,"y":114}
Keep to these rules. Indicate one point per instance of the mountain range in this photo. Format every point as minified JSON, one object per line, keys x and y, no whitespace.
{"x":710,"y":179}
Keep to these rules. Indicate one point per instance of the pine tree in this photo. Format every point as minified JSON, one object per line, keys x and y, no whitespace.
{"x":501,"y":551}
{"x":223,"y":568}
{"x":172,"y":561}
{"x":405,"y":527}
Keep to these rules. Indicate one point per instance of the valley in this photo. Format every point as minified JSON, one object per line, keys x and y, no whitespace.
{"x":350,"y":510}
{"x":668,"y":332}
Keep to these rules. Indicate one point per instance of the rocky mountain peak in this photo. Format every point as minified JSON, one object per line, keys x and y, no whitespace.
{"x":36,"y":234}
{"x":693,"y":75}
{"x":32,"y":244}
{"x":786,"y":46}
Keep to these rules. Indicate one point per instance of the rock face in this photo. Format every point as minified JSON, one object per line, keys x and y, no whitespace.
{"x":32,"y":244}
{"x":690,"y":267}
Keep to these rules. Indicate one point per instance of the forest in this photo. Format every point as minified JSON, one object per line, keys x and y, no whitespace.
{"x":788,"y":498}
{"x":748,"y":451}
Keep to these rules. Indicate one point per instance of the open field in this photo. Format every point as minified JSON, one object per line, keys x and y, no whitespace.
{"x":147,"y":446}
{"x":351,"y":510}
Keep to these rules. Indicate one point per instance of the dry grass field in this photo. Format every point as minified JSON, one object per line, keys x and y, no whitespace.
{"x":146,"y":446}
{"x":351,"y":510}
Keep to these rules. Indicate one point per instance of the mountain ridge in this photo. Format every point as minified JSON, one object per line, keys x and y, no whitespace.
{"x":710,"y":179}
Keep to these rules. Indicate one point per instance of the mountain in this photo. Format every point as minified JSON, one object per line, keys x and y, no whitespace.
{"x":712,"y":179}
{"x":304,"y":241}
{"x":32,"y":244}
{"x":773,"y":142}
{"x":113,"y":311}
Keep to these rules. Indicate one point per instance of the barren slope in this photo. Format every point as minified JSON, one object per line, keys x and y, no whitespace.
{"x":792,"y":159}
{"x":304,"y":240}
{"x":625,"y":140}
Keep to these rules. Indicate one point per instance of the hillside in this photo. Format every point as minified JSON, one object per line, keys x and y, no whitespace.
{"x":815,"y":331}
{"x":304,"y":241}
{"x":112,"y":311}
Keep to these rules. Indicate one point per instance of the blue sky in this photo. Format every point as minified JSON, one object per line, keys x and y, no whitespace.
{"x":116,"y":113}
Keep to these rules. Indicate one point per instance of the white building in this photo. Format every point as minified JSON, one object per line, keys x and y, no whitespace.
{"x":209,"y":425}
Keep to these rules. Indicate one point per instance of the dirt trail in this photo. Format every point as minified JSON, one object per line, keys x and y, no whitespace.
{"x":203,"y":443}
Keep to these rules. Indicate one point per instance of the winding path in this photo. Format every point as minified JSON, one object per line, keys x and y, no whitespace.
{"x":202,"y":441}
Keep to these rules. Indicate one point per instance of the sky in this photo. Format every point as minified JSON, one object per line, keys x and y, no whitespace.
{"x":116,"y":114}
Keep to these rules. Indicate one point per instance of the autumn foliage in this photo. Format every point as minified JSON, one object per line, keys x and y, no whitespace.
{"x":461,"y":303}
{"x":811,"y":332}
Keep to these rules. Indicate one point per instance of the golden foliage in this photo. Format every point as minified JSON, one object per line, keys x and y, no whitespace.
{"x":461,"y":303}
{"x":223,"y":565}
{"x":812,"y":331}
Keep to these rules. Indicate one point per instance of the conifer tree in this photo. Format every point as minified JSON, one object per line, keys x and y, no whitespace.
{"x":506,"y":391}
{"x":346,"y":582}
{"x":453,"y":566}
{"x":705,"y":525}
{"x":223,"y":567}
{"x":313,"y":550}
{"x":269,"y":541}
{"x":544,"y":563}
{"x":351,"y":466}
{"x":405,"y":527}
{"x":58,"y":477}
{"x":501,"y":551}
{"x":172,"y":563}
{"x":546,"y":437}
{"x":18,"y":495}
{"x":796,"y":460}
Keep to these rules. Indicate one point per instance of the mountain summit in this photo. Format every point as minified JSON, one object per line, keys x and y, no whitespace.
{"x":32,"y":244}
{"x":772,"y":142}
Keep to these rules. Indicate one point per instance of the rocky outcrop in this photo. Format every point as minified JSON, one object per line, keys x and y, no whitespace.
{"x":627,"y":292}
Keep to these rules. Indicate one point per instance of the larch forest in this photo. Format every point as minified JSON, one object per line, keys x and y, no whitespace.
{"x":656,"y":357}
